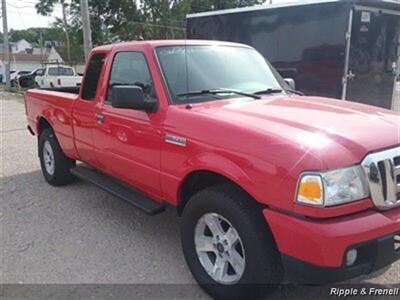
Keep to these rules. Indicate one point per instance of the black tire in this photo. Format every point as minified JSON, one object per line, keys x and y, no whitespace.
{"x":263,"y":268}
{"x":62,"y":164}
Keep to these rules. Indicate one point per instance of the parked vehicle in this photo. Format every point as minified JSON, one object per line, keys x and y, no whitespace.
{"x":345,"y":49}
{"x":11,"y":74}
{"x":28,"y":80}
{"x":266,"y":181}
{"x":3,"y":77}
{"x":58,"y":76}
{"x":15,"y":75}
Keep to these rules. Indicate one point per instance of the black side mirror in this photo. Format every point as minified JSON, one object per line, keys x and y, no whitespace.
{"x":131,"y":96}
{"x":291,"y":83}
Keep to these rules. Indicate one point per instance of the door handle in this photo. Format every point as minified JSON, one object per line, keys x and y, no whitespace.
{"x":100,"y":117}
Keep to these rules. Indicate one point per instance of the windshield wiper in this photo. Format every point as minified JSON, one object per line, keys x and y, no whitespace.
{"x":272,"y":91}
{"x":268,"y":91}
{"x":295,"y":92}
{"x":218,"y":91}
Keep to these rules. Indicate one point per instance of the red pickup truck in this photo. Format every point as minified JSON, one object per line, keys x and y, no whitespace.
{"x":267,"y":182}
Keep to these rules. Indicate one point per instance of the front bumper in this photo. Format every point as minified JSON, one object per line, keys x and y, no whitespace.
{"x":372,"y":256}
{"x":313,"y":251}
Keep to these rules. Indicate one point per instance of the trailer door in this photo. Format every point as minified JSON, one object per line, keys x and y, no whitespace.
{"x":373,"y":56}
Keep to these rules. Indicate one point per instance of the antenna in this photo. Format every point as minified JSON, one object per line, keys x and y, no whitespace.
{"x":187,"y":68}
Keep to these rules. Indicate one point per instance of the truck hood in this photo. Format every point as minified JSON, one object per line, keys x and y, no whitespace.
{"x":339,"y":132}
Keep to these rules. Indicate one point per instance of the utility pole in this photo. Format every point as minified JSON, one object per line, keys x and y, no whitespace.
{"x":6,"y":51}
{"x":87,"y":34}
{"x":41,"y":46}
{"x":65,"y":24}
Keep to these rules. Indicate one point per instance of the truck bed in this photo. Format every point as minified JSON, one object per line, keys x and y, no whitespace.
{"x":53,"y":106}
{"x":66,"y":89}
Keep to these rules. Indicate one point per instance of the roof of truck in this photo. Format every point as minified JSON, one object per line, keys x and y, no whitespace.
{"x":159,"y":43}
{"x":290,"y":4}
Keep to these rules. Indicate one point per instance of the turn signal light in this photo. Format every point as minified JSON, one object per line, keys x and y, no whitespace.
{"x":310,"y":190}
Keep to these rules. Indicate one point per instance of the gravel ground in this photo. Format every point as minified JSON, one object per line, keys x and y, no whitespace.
{"x":79,"y":234}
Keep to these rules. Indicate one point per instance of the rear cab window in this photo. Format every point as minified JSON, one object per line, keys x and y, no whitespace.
{"x":60,"y":71}
{"x":92,"y":76}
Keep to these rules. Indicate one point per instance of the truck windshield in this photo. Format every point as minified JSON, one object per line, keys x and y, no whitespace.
{"x":189,"y":70}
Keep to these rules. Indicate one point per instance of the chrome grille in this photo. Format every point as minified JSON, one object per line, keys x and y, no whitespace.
{"x":397,"y":242}
{"x":382,"y":170}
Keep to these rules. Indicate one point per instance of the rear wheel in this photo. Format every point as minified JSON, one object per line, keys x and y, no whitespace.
{"x":55,"y":165}
{"x":228,"y":246}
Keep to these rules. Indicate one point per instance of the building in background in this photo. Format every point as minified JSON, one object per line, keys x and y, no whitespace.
{"x":21,"y":46}
{"x":23,"y":62}
{"x":26,"y":57}
{"x":54,"y":56}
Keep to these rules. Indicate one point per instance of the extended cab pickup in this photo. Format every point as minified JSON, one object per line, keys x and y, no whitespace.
{"x":266,"y":181}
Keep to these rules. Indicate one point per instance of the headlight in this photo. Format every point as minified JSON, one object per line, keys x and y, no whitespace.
{"x":332,"y":187}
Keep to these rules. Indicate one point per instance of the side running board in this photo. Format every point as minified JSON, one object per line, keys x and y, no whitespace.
{"x":119,"y":189}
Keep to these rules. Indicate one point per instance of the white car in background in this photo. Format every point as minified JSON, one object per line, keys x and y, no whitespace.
{"x":55,"y":76}
{"x":14,"y":76}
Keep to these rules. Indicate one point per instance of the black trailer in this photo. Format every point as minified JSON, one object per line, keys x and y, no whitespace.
{"x":348,"y":49}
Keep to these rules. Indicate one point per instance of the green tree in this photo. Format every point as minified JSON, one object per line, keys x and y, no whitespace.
{"x":46,"y":8}
{"x":113,"y":20}
{"x":170,"y":15}
{"x":33,"y":34}
{"x":123,"y":20}
{"x":110,"y":20}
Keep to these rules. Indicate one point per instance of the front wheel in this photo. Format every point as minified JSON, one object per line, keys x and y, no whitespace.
{"x":55,"y":165}
{"x":228,"y":246}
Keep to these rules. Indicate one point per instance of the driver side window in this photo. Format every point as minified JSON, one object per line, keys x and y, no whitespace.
{"x":130,"y":68}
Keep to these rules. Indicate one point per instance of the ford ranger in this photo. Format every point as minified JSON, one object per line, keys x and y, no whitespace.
{"x":268,"y":183}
